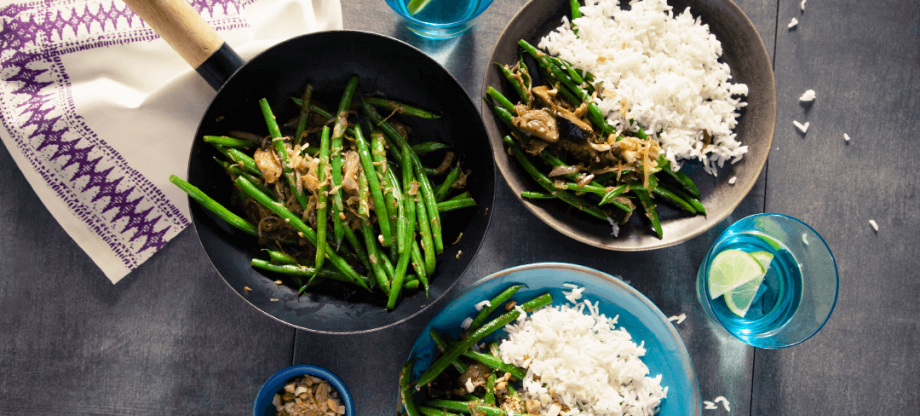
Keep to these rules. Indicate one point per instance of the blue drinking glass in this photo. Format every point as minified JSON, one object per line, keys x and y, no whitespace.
{"x":440,"y":19}
{"x":797,"y":294}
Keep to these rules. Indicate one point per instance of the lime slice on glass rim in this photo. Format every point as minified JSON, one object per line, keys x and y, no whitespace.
{"x":731,"y":269}
{"x":416,"y":6}
{"x":739,"y":299}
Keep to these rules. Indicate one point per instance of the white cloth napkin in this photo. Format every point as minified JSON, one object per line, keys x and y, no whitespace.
{"x":98,"y":111}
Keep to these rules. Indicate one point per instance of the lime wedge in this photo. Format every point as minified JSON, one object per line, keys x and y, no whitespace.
{"x":730,"y":269}
{"x":740,"y":298}
{"x":416,"y":6}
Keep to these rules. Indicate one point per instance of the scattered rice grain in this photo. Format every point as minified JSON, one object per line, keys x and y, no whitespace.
{"x":793,"y":23}
{"x":802,"y":127}
{"x":808,"y":96}
{"x":874,"y":225}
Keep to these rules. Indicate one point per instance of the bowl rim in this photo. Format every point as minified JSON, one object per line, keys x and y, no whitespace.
{"x":544,"y":215}
{"x":571,"y":267}
{"x":268,"y":389}
{"x":196,"y":222}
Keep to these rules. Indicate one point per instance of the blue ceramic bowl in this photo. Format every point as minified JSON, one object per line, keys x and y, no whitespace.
{"x":666,"y":354}
{"x":276,"y":382}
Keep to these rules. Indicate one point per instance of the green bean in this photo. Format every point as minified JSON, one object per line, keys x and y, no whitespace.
{"x":407,"y":219}
{"x":441,"y":191}
{"x":304,"y":114}
{"x":302,"y":271}
{"x":431,"y":205}
{"x":667,"y":194}
{"x":279,"y":257}
{"x":496,"y":363}
{"x":442,"y":347}
{"x":321,"y":198}
{"x":402,"y":219}
{"x":650,"y":211}
{"x":611,"y":196}
{"x":516,"y":82}
{"x":679,"y":176}
{"x":428,"y":411}
{"x":490,"y":390}
{"x":215,"y":207}
{"x":463,"y":195}
{"x":380,"y":206}
{"x":427,"y":193}
{"x":374,"y":256}
{"x":298,"y":225}
{"x":464,"y":407}
{"x":338,"y":205}
{"x":418,"y":264}
{"x":400,"y":108}
{"x":576,"y":13}
{"x":494,"y":304}
{"x":695,"y":202}
{"x":502,"y":101}
{"x":370,"y":242}
{"x":425,"y":231}
{"x":475,"y":336}
{"x":548,"y":184}
{"x":314,"y":108}
{"x":230,"y":141}
{"x":240,"y":158}
{"x":235,"y":170}
{"x":524,"y":71}
{"x":455,"y":204}
{"x":379,"y":155}
{"x":536,"y":195}
{"x":572,"y":73}
{"x":428,"y":147}
{"x":405,"y":392}
{"x":359,"y":248}
{"x":281,"y":151}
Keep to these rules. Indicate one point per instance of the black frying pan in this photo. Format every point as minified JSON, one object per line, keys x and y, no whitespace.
{"x":327,"y":60}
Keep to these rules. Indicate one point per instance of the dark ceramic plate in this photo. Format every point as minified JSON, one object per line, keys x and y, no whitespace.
{"x":744,"y":52}
{"x":327,"y":61}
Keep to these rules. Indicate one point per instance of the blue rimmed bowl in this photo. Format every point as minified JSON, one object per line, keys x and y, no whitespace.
{"x":274,"y":384}
{"x":666,"y":353}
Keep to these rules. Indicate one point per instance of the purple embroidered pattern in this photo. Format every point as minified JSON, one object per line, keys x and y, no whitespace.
{"x":116,"y":202}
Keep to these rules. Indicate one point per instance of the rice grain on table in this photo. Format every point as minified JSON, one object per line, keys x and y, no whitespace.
{"x":808,"y":96}
{"x":583,"y":362}
{"x":793,"y":23}
{"x":661,"y":69}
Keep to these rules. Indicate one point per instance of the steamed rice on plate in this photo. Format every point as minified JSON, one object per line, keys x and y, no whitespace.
{"x":661,"y":69}
{"x":579,"y":363}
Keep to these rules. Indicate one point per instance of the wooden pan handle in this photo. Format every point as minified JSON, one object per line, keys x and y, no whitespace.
{"x":181,"y":26}
{"x":191,"y":36}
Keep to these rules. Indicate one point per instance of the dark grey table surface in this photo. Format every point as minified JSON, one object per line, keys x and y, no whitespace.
{"x":171,"y":339}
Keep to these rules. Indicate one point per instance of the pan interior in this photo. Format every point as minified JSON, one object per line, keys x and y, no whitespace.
{"x":327,"y":60}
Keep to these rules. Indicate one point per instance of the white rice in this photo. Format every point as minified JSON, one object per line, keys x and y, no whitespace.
{"x":808,"y":96}
{"x":802,"y":127}
{"x":593,"y":368}
{"x":664,"y":69}
{"x":846,"y":137}
{"x":793,"y":23}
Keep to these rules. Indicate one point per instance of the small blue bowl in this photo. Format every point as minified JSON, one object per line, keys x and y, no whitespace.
{"x":666,"y":353}
{"x":441,"y":19}
{"x":276,"y":382}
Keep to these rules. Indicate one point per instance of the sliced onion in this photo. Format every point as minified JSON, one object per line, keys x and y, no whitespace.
{"x":563,"y":170}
